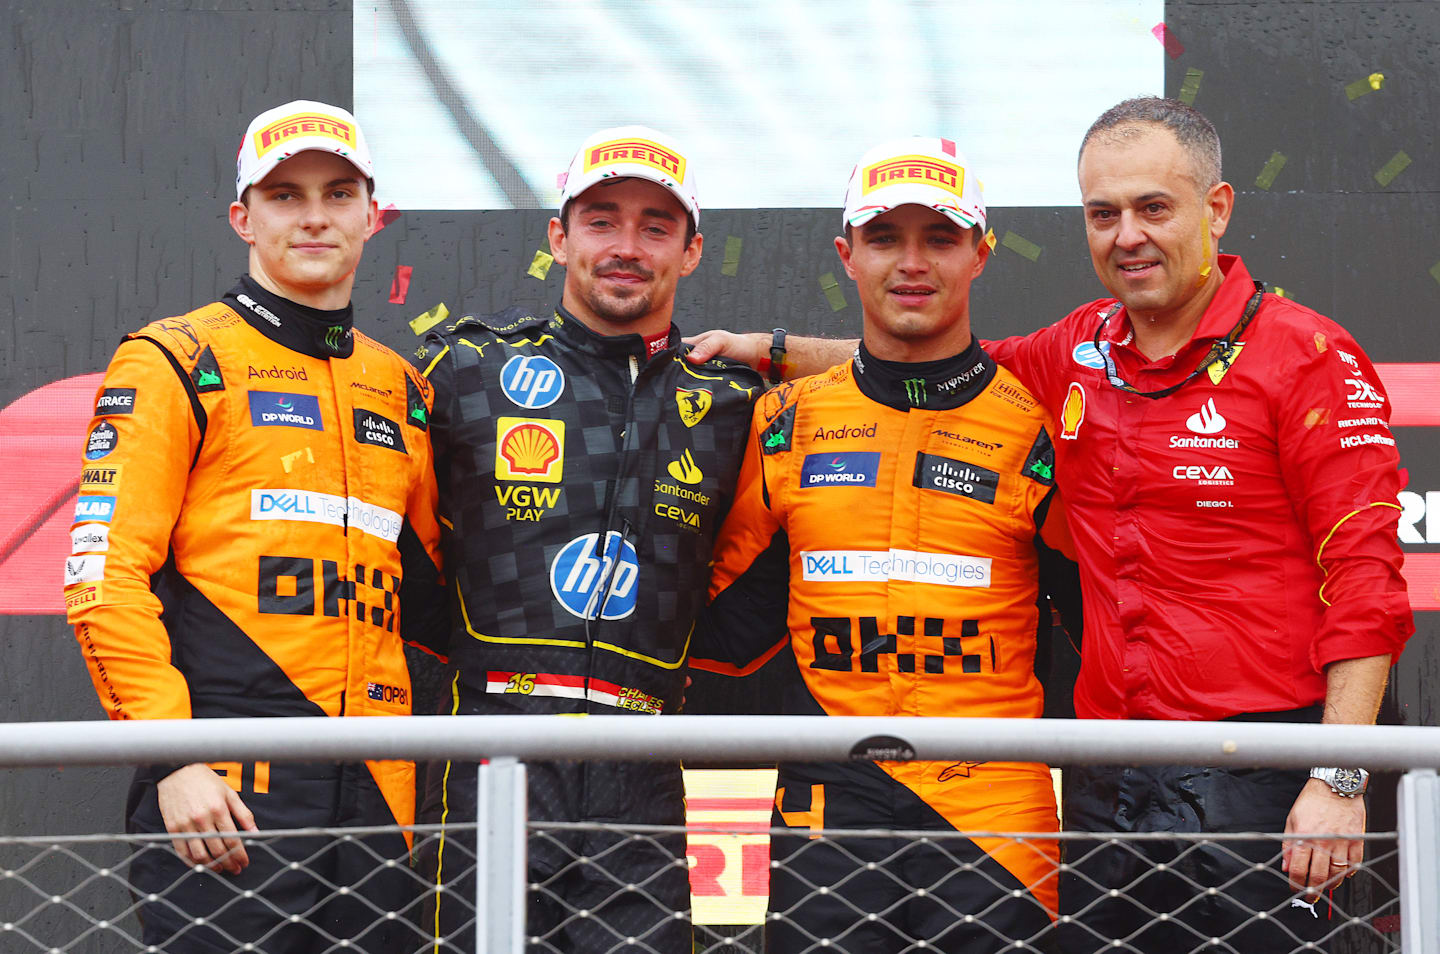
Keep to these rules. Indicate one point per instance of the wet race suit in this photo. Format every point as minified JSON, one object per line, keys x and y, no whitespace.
{"x":582,"y":480}
{"x":887,"y":530}
{"x":256,"y":505}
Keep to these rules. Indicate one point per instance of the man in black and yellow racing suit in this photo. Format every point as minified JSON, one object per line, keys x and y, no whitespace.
{"x":584,"y":467}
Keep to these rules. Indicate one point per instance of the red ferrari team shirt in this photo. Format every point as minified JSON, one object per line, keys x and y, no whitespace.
{"x":1237,"y":535}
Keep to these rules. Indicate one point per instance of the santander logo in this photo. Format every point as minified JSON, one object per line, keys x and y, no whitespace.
{"x":1207,"y":420}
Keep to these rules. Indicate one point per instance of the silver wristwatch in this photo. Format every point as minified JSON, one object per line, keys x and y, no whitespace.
{"x":1345,"y":782}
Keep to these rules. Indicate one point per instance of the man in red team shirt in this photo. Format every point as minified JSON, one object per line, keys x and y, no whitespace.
{"x":1231,"y":483}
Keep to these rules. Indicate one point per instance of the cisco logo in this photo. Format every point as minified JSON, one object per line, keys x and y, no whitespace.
{"x":591,"y":584}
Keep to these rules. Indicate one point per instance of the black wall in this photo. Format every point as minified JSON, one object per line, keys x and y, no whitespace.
{"x":121,"y":121}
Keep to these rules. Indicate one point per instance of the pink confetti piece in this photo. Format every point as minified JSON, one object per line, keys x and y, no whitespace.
{"x":400,"y":285}
{"x":1173,"y":47}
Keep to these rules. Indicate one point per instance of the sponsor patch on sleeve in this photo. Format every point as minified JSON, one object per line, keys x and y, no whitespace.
{"x":90,"y":538}
{"x":87,"y":568}
{"x":776,"y":437}
{"x":1040,"y":464}
{"x":206,"y":373}
{"x":115,"y":401}
{"x":84,"y":596}
{"x":103,"y":439}
{"x":94,"y":508}
{"x":100,"y":480}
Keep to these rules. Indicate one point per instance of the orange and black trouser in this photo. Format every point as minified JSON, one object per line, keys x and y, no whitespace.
{"x":282,"y":796}
{"x":883,"y":876}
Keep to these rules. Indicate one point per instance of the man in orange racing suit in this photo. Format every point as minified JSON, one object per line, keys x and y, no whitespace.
{"x":255,"y":477}
{"x":889,"y":515}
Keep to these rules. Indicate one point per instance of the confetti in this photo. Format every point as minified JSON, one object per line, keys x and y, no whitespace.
{"x":990,"y":239}
{"x":1282,"y":293}
{"x":288,"y":460}
{"x":1191,"y":87}
{"x":540,"y":265}
{"x":731,"y":265}
{"x":387,"y":215}
{"x":430,"y":319}
{"x":1173,"y":47}
{"x":1393,"y":168}
{"x":1363,"y":85}
{"x":1435,"y":271}
{"x":831,"y":288}
{"x":400,"y":284}
{"x":1021,"y":246}
{"x":1267,"y":175}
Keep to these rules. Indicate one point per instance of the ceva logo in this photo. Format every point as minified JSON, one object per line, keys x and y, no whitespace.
{"x":1207,"y":420}
{"x":532,"y":380}
{"x":591,"y":584}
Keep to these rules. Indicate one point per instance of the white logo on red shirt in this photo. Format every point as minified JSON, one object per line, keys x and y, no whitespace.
{"x":1207,"y":420}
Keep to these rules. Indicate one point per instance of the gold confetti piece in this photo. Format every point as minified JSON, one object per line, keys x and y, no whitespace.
{"x":1317,"y":416}
{"x":1021,"y":246}
{"x":1267,"y":175}
{"x":1320,"y":345}
{"x":1435,"y":271}
{"x":430,"y":319}
{"x":540,"y":265}
{"x":831,"y":288}
{"x":990,"y":239}
{"x":731,"y":265}
{"x":1281,"y":292}
{"x":1364,"y":85}
{"x":1191,"y":87}
{"x":1393,"y":168}
{"x":288,"y":460}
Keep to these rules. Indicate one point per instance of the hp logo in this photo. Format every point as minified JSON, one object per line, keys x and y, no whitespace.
{"x":532,"y":380}
{"x":579,"y":571}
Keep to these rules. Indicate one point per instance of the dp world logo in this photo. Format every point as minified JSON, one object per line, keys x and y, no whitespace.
{"x":582,"y":577}
{"x":532,"y":380}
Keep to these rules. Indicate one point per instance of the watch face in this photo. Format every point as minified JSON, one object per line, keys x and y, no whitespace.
{"x":1348,"y":780}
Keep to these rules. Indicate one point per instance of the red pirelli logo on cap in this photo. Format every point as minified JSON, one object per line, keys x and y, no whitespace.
{"x":640,"y":151}
{"x":920,"y":170}
{"x":303,"y":124}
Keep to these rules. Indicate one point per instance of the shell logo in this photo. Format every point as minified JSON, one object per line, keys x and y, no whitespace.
{"x":529,"y":449}
{"x":1073,"y":412}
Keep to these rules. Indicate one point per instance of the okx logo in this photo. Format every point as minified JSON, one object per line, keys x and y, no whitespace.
{"x":591,"y":583}
{"x":532,"y":380}
{"x":281,"y":409}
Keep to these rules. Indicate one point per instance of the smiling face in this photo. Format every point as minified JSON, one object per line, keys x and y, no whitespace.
{"x":306,"y":224}
{"x":913,"y":267}
{"x":1153,"y":230}
{"x":624,"y":252}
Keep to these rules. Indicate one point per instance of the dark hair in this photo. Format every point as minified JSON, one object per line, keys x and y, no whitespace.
{"x":1195,"y":133}
{"x":690,"y":229}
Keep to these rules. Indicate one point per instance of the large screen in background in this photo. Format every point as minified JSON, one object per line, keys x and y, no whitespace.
{"x":479,"y":104}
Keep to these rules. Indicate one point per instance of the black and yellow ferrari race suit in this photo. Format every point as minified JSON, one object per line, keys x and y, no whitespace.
{"x":581,"y":485}
{"x":888,"y":530}
{"x":256,"y":505}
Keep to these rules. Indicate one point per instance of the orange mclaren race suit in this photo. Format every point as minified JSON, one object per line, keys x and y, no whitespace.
{"x":887,"y":528}
{"x":254,"y":478}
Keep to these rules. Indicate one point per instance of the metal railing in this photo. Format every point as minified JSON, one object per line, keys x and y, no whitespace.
{"x":502,"y":832}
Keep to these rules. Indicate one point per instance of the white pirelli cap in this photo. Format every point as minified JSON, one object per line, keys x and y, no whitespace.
{"x":300,"y":126}
{"x":633,"y":152}
{"x":920,"y":171}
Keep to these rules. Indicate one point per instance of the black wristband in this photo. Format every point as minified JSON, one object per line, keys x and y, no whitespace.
{"x":777,"y":355}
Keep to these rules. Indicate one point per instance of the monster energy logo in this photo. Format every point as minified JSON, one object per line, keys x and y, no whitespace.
{"x":914,"y":391}
{"x":332,"y":337}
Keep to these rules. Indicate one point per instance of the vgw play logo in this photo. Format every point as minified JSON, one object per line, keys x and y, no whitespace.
{"x":592,"y":584}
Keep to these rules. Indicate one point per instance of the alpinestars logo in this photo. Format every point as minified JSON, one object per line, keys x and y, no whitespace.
{"x":1207,"y":420}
